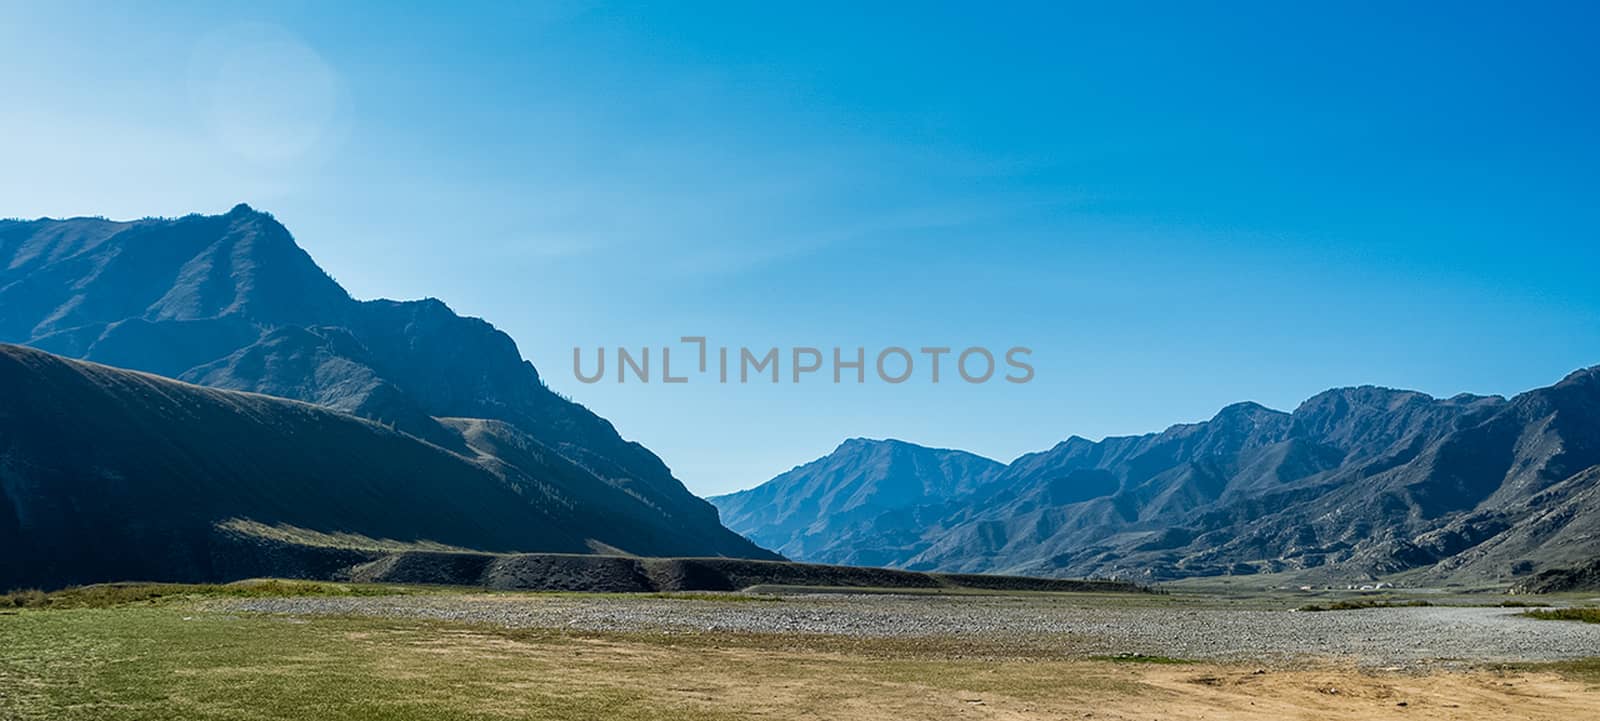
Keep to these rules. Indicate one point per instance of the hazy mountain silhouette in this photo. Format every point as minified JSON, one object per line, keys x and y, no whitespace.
{"x":1355,"y":483}
{"x":231,"y":302}
{"x":811,"y":511}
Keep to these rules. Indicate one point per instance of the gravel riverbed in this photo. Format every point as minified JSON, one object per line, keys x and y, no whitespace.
{"x":1380,"y":637}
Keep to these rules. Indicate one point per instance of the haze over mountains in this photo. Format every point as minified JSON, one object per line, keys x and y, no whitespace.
{"x":231,"y":302}
{"x":1355,"y":483}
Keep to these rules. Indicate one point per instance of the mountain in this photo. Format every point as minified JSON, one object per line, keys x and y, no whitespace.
{"x":232,"y":302}
{"x":819,"y":510}
{"x":112,"y":474}
{"x":1355,"y":483}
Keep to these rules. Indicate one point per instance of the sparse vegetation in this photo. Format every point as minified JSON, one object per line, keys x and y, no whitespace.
{"x":109,"y":595}
{"x":293,"y":535}
{"x":1584,"y":670}
{"x":1586,"y":615}
{"x":29,"y":598}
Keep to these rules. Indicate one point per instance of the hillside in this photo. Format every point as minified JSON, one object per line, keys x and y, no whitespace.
{"x":232,"y":302}
{"x":109,"y":474}
{"x":1356,"y":483}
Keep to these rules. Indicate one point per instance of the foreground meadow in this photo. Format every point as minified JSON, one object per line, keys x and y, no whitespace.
{"x":200,"y":654}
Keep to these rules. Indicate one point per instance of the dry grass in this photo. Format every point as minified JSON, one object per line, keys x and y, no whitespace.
{"x":108,"y":595}
{"x":285,"y":533}
{"x":179,"y":660}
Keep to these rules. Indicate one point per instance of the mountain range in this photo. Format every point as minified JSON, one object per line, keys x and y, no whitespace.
{"x":196,"y":395}
{"x":1355,"y":483}
{"x":231,"y":302}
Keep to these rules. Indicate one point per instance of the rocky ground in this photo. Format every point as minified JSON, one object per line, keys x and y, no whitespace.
{"x":1380,"y":637}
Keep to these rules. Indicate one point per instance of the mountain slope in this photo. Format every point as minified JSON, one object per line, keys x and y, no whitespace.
{"x":232,"y":302}
{"x":1355,"y":483}
{"x":107,"y":474}
{"x":810,"y":511}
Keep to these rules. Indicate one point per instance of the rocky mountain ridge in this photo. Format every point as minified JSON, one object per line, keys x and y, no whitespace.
{"x":1355,"y":483}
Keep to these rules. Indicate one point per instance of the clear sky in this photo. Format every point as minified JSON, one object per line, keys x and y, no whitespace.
{"x":1177,"y":206}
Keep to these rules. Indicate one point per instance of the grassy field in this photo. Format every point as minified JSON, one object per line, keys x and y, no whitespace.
{"x":137,"y":653}
{"x":172,"y":661}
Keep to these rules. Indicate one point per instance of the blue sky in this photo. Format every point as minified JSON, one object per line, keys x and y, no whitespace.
{"x":1177,"y":207}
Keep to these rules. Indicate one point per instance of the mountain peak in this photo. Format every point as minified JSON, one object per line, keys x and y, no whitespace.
{"x":248,"y":216}
{"x":1368,"y":394}
{"x":1582,"y":376}
{"x":248,"y":266}
{"x":1331,"y":407}
{"x":860,"y":443}
{"x":811,"y":508}
{"x":1243,"y":410}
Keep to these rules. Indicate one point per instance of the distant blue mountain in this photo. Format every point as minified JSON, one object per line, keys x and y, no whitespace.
{"x":1356,"y":483}
{"x":826,"y":510}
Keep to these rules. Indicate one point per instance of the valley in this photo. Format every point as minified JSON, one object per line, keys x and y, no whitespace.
{"x":1029,"y":361}
{"x":193,"y":401}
